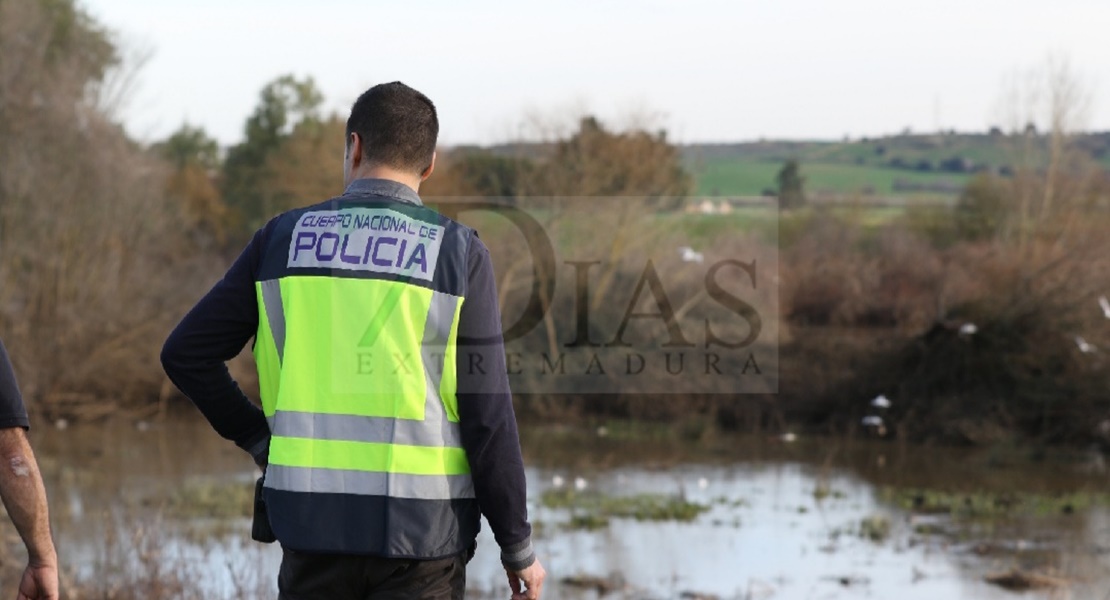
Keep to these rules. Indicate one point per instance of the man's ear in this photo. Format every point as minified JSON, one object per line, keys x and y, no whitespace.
{"x":354,"y":149}
{"x":431,"y":167}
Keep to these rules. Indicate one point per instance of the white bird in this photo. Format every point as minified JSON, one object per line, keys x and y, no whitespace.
{"x":872,"y":421}
{"x":703,"y":483}
{"x":881,"y":401}
{"x":557,"y":481}
{"x":968,"y":329}
{"x":580,"y":483}
{"x":691,"y":255}
{"x":1084,"y":346}
{"x":1105,"y":305}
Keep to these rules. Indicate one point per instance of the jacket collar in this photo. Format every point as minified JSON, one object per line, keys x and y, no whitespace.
{"x":384,"y":187}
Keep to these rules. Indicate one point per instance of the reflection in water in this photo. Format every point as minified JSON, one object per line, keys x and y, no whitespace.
{"x":784,"y":521}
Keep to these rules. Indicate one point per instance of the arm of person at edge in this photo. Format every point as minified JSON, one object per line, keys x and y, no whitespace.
{"x":24,"y":497}
{"x":212,"y":333}
{"x":489,"y":430}
{"x":23,"y":493}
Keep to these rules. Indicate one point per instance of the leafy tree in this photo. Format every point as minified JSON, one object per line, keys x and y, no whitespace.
{"x":791,"y":185}
{"x":285,"y":105}
{"x":982,"y":211}
{"x":593,"y":161}
{"x":190,"y":146}
{"x":479,"y":172}
{"x":53,"y":58}
{"x":598,"y":162}
{"x":74,"y":35}
{"x":206,"y":213}
{"x":955,"y":164}
{"x":196,"y":159}
{"x":305,"y":166}
{"x":75,"y":240}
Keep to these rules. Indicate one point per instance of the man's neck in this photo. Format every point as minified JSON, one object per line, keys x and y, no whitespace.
{"x":384,"y":172}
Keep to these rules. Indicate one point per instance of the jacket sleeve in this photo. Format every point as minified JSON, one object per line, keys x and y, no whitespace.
{"x":12,"y":411}
{"x":212,"y":333}
{"x":486,"y":418}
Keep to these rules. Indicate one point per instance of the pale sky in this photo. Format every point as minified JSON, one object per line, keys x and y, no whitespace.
{"x":705,"y":70}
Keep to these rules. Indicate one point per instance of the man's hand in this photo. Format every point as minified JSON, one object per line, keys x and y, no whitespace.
{"x":40,"y":582}
{"x":532,"y":577}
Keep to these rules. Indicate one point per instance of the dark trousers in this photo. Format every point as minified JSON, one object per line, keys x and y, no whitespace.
{"x":305,"y":576}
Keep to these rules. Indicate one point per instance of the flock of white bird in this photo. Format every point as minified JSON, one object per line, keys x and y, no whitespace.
{"x":875,"y":422}
{"x":872,"y":422}
{"x":580,"y":483}
{"x":969,"y":329}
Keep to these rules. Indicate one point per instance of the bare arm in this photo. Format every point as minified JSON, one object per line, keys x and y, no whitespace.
{"x":24,"y":496}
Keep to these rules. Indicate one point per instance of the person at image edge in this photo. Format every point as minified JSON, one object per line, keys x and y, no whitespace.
{"x":23,"y":492}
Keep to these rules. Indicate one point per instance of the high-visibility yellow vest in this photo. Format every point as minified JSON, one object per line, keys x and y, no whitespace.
{"x":359,"y":301}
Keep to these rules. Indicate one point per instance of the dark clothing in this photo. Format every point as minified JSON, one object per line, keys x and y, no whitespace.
{"x":12,"y":411}
{"x":339,"y":577}
{"x":218,"y":327}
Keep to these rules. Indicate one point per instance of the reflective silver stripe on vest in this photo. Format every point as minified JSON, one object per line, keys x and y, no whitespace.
{"x":437,"y":331}
{"x":369,"y":483}
{"x":435,"y":430}
{"x":275,"y":314}
{"x":382,"y":430}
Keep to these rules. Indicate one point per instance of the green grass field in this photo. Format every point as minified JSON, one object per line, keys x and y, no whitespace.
{"x":750,"y":177}
{"x":872,"y":166}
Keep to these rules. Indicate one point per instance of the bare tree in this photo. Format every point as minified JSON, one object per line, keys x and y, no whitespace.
{"x":1043,"y":109}
{"x":92,"y":253}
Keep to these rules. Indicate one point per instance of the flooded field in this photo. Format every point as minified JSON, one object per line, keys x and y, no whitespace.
{"x":160,"y":510}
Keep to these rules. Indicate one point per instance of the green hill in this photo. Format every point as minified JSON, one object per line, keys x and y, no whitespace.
{"x":903,"y":165}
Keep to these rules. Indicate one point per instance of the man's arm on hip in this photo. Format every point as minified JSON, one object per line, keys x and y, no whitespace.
{"x":212,"y":333}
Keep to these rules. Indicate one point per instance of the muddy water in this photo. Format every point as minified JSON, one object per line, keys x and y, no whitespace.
{"x":162,"y":504}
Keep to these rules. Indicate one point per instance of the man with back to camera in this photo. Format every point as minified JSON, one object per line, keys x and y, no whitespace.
{"x":378,"y":440}
{"x":23,"y":492}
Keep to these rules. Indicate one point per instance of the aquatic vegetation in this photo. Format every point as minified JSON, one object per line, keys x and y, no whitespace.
{"x":600,"y":585}
{"x":1019,"y":581}
{"x":731,"y":502}
{"x":593,"y":510}
{"x":822,"y":490}
{"x":929,"y":529}
{"x":589,"y":522}
{"x":209,"y":498}
{"x":875,"y":528}
{"x":988,"y":505}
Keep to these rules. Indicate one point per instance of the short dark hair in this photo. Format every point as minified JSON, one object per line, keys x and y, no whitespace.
{"x":398,"y":126}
